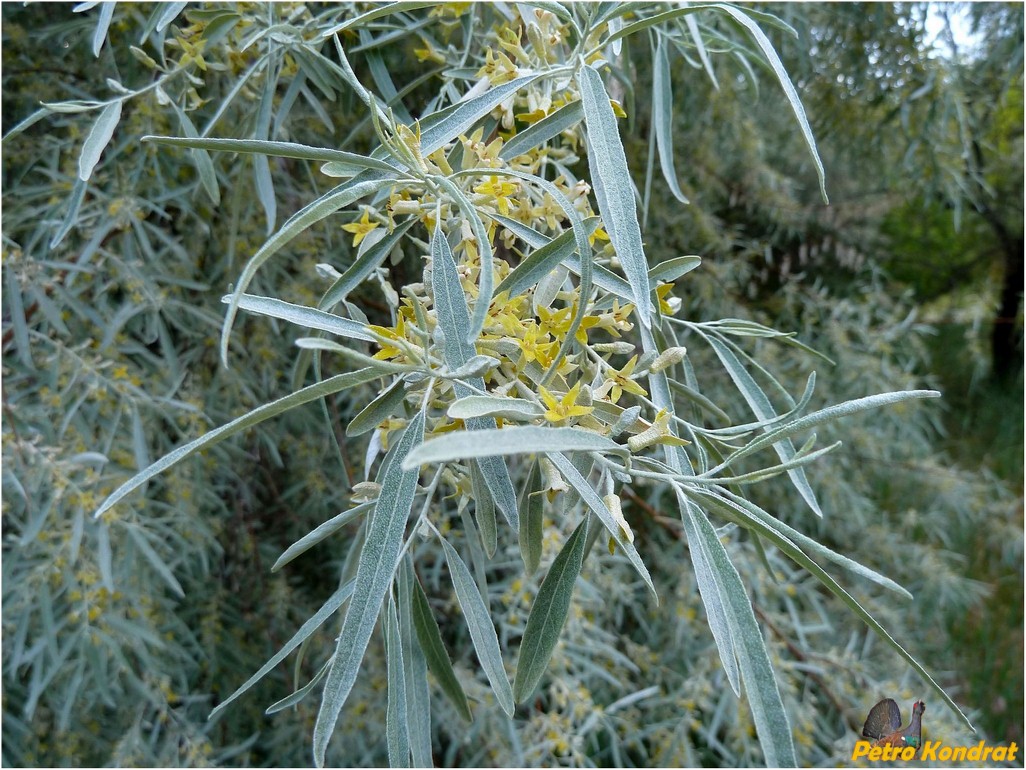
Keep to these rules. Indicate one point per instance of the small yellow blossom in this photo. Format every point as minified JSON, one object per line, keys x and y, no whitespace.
{"x":567,"y":407}
{"x":499,"y":190}
{"x":617,"y":381}
{"x":361,"y":228}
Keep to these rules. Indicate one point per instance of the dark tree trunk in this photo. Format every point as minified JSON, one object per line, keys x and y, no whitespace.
{"x":1006,"y":353}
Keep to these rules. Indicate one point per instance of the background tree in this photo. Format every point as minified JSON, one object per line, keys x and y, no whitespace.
{"x":123,"y":633}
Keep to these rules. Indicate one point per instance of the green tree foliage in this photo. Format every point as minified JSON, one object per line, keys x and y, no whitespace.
{"x":479,"y":413}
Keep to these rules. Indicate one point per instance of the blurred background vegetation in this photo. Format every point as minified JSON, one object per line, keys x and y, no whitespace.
{"x":120,"y":636}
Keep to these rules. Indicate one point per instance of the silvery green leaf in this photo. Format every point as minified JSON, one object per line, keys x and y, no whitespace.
{"x":797,"y":555}
{"x":624,"y":422}
{"x":71,"y":215}
{"x":482,"y":632}
{"x":548,"y":614}
{"x":594,"y":502}
{"x":169,"y":13}
{"x":484,"y":510}
{"x":703,"y":54}
{"x":204,"y":165}
{"x":434,"y":651}
{"x":672,"y":269}
{"x":347,"y":353}
{"x":828,"y":414}
{"x":378,"y":410}
{"x":662,"y":116}
{"x":275,"y":149}
{"x":711,"y":589}
{"x":761,"y":407}
{"x":364,"y":265}
{"x":612,"y":181}
{"x":538,"y":264}
{"x":102,"y":25}
{"x":261,"y":166}
{"x":316,"y":621}
{"x":258,"y":415}
{"x":378,"y":561}
{"x":476,"y":366}
{"x":801,"y":540}
{"x":307,"y":317}
{"x":508,"y":408}
{"x":98,"y":139}
{"x":785,"y":82}
{"x":563,"y":119}
{"x":450,"y":303}
{"x":532,"y":508}
{"x":418,"y":696}
{"x":454,"y":323}
{"x":301,"y":693}
{"x":376,"y":13}
{"x":518,"y":439}
{"x":441,"y":128}
{"x":324,"y":206}
{"x":486,"y":275}
{"x":768,"y":712}
{"x":320,"y":533}
{"x":526,"y":233}
{"x":397,"y":736}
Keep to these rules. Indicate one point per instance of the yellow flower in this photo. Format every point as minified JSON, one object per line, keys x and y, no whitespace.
{"x":499,"y":191}
{"x":396,"y":335}
{"x":667,"y":306}
{"x":535,"y":344}
{"x":498,"y":68}
{"x":361,"y":228}
{"x":617,"y":381}
{"x":567,"y":407}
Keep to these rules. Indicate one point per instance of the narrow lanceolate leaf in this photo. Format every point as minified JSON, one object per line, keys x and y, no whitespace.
{"x":434,"y":652}
{"x":100,"y":34}
{"x":821,"y":416}
{"x":494,"y":406}
{"x":566,"y":117}
{"x":613,"y":188}
{"x":482,"y":632}
{"x":768,"y":713}
{"x":486,"y":275}
{"x":273,"y":148}
{"x":307,"y":317}
{"x":321,"y":533}
{"x":518,"y":439}
{"x":439,"y":129}
{"x":672,"y":269}
{"x":548,"y":614}
{"x":761,"y":407}
{"x":378,"y":410}
{"x":711,"y":589}
{"x":454,"y":323}
{"x":397,"y":736}
{"x":377,"y":564}
{"x":594,"y":502}
{"x":328,"y":609}
{"x":309,"y":215}
{"x":258,"y":415}
{"x":785,"y":82}
{"x":532,"y":508}
{"x":364,"y":265}
{"x":99,"y":137}
{"x":484,"y":510}
{"x":793,"y":552}
{"x":662,"y":116}
{"x":418,"y":696}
